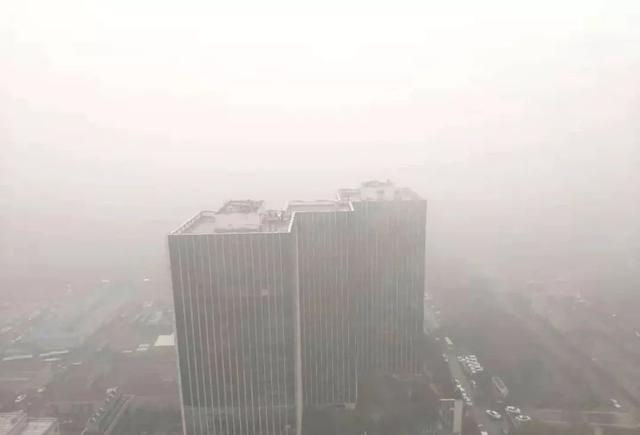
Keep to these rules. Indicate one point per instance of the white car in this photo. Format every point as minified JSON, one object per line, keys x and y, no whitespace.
{"x":512,"y":409}
{"x":615,"y":403}
{"x":522,"y":418}
{"x":494,"y":414}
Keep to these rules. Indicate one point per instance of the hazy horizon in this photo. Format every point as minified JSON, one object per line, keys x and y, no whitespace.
{"x":519,"y":124}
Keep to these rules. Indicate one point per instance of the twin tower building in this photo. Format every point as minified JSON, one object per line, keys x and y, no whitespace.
{"x":278,"y":311}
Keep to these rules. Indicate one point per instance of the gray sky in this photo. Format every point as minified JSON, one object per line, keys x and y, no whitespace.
{"x":110,"y":111}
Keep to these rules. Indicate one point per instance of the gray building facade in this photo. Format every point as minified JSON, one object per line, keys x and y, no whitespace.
{"x":278,"y":310}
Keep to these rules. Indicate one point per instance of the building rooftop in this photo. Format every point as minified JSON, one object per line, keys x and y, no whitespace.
{"x":9,"y":420}
{"x":202,"y":223}
{"x":165,"y":340}
{"x":39,"y":426}
{"x":209,"y":222}
{"x":17,"y":423}
{"x":248,"y":216}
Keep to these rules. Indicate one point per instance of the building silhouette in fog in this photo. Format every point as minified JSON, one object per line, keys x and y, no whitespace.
{"x":278,"y":310}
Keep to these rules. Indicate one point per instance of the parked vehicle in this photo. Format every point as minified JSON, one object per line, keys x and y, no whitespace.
{"x":494,"y":414}
{"x":512,"y":410}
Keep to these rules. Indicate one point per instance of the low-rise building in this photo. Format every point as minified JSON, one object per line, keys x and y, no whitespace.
{"x":451,"y":413}
{"x":19,"y":423}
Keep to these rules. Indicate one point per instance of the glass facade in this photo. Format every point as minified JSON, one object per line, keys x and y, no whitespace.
{"x":268,"y":323}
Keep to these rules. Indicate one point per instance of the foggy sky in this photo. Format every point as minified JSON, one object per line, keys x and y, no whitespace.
{"x":520,"y":124}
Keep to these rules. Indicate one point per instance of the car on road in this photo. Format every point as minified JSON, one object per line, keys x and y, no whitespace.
{"x":493,"y":414}
{"x":512,"y":410}
{"x":615,"y":403}
{"x":522,"y":418}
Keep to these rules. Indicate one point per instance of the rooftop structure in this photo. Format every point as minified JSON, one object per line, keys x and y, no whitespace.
{"x":241,"y":206}
{"x":248,"y":216}
{"x":18,"y":423}
{"x":378,"y":191}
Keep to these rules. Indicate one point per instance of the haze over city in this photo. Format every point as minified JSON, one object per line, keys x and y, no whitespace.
{"x":519,"y":124}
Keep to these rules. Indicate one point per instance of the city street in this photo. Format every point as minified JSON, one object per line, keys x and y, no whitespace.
{"x":492,"y":427}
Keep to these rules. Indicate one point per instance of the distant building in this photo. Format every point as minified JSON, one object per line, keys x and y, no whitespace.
{"x":112,"y":418}
{"x":79,"y":319}
{"x":18,"y":423}
{"x":149,"y":373}
{"x":278,"y":310}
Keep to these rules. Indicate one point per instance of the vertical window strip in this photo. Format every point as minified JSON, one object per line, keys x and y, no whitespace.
{"x":194,"y":355}
{"x":203,"y":335}
{"x":213,"y":318}
{"x":228,"y":302}
{"x":187,"y":355}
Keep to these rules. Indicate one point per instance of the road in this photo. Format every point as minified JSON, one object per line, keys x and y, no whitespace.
{"x":492,"y":427}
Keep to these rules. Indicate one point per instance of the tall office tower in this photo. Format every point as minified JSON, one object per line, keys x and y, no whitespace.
{"x":277,"y":310}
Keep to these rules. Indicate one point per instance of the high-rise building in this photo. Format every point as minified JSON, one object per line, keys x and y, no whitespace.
{"x":281,"y":309}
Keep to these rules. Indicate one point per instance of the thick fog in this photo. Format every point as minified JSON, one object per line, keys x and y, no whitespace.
{"x":520,"y":125}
